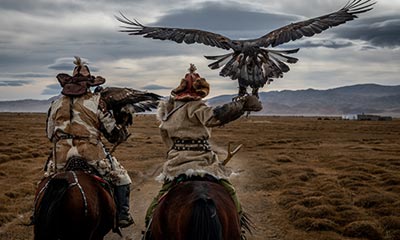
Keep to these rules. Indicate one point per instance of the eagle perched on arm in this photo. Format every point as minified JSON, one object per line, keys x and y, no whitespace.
{"x":250,"y":62}
{"x":124,"y":102}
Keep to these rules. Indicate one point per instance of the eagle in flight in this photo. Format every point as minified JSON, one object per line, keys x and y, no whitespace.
{"x":251,"y":62}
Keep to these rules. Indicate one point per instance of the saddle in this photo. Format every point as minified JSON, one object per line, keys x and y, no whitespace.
{"x":184,"y":178}
{"x":79,"y":164}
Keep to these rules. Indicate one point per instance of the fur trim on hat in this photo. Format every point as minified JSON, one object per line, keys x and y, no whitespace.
{"x":163,"y":109}
{"x":192,"y":87}
{"x":201,"y":87}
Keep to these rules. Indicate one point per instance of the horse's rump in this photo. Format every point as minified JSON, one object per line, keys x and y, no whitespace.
{"x":49,"y":208}
{"x":72,"y":205}
{"x":196,"y":210}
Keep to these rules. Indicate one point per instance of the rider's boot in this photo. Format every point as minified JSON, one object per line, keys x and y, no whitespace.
{"x":121,"y":194}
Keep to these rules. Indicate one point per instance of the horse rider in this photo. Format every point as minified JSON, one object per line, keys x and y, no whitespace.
{"x":75,"y":123}
{"x":185,"y":128}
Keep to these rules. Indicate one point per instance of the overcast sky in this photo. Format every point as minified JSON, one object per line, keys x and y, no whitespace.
{"x":38,"y":39}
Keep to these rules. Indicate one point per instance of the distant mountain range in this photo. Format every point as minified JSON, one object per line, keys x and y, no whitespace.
{"x":356,"y":99}
{"x":26,"y":105}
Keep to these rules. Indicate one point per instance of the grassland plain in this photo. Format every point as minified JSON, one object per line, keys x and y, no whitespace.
{"x":299,"y":178}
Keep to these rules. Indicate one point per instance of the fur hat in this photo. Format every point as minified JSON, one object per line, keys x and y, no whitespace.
{"x":80,"y":81}
{"x":192,"y":87}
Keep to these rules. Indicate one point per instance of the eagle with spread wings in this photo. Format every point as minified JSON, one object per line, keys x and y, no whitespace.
{"x":250,"y":62}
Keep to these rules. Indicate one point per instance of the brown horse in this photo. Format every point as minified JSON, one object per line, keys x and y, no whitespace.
{"x":73,"y":205}
{"x":196,"y":210}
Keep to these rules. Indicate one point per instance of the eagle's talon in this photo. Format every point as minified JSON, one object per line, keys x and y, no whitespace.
{"x":239,"y":98}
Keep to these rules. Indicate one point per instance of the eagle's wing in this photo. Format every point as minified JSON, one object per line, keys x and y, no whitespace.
{"x":316,"y":25}
{"x":178,"y":35}
{"x":124,"y":102}
{"x":250,"y":62}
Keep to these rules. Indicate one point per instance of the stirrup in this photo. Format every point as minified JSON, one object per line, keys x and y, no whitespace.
{"x":125,"y":222}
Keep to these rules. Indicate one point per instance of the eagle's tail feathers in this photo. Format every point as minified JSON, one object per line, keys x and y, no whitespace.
{"x":280,"y":55}
{"x":221,"y":60}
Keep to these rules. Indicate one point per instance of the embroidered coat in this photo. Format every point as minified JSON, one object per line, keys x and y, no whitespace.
{"x":75,"y":125}
{"x":190,"y":120}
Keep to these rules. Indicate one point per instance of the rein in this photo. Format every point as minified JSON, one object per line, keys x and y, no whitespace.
{"x":43,"y":189}
{"x":75,"y":183}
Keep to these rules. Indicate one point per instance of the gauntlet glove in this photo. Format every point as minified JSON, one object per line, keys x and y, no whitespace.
{"x":252,"y":103}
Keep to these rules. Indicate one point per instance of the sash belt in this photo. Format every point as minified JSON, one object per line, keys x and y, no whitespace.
{"x":191,"y":145}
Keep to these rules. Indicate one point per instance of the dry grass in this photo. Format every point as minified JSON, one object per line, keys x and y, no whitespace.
{"x":300,"y":178}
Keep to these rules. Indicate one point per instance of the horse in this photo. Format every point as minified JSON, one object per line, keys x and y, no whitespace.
{"x":73,"y":205}
{"x":197,"y":209}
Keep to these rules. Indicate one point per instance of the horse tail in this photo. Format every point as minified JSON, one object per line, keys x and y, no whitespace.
{"x":46,"y":215}
{"x":204,"y":223}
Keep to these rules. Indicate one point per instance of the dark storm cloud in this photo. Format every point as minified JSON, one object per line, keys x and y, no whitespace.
{"x":239,"y":22}
{"x":14,"y":79}
{"x":49,"y":7}
{"x":366,"y":48}
{"x":14,"y":83}
{"x":66,"y":64}
{"x":313,"y":43}
{"x":232,"y":19}
{"x":42,"y":7}
{"x":28,"y":75}
{"x":20,"y":5}
{"x":52,"y":89}
{"x":227,"y":17}
{"x":379,"y":31}
{"x":36,"y":35}
{"x":155,"y":87}
{"x":62,"y":66}
{"x":11,"y":59}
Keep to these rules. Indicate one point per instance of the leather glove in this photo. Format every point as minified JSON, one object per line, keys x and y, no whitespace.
{"x":252,"y":103}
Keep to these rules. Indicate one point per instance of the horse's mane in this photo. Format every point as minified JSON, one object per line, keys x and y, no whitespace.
{"x":49,"y":209}
{"x":205,"y":218}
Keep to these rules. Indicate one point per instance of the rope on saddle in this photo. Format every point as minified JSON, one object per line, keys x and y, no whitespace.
{"x":76,"y":183}
{"x":79,"y":164}
{"x":40,"y":194}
